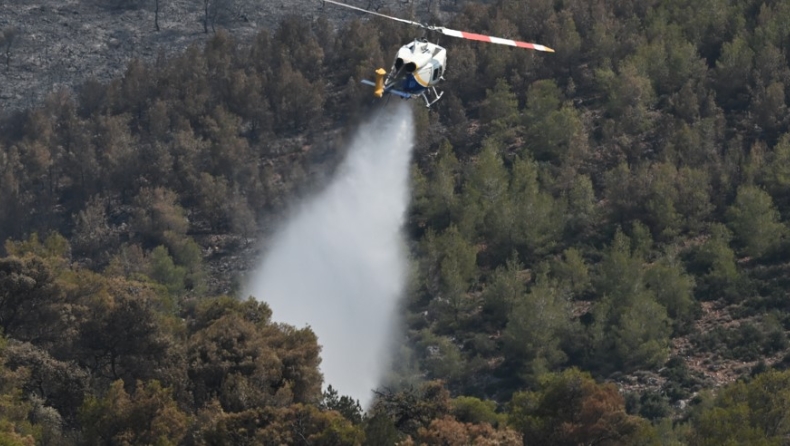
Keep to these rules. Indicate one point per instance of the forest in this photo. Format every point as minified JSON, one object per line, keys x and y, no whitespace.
{"x":598,"y":236}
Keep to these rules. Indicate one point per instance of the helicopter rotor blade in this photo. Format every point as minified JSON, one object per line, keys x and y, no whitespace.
{"x":452,"y":32}
{"x":410,"y":22}
{"x":490,"y":39}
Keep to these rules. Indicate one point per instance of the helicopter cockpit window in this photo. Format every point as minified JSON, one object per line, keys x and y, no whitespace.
{"x":436,"y":73}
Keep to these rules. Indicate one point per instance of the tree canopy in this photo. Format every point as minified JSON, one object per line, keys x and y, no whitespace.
{"x":597,"y":235}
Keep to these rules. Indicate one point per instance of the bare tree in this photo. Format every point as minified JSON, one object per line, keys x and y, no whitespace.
{"x":222,"y":12}
{"x":124,"y":4}
{"x":156,"y":14}
{"x":206,"y":4}
{"x":7,"y":37}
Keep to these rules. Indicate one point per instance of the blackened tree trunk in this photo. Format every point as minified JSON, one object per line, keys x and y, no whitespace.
{"x":156,"y":15}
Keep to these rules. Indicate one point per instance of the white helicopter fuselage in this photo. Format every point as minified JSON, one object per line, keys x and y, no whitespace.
{"x":418,"y":65}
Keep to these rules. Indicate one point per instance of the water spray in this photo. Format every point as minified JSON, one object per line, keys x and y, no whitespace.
{"x":339,"y":263}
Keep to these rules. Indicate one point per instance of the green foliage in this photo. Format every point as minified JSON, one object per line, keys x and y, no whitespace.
{"x":537,"y":218}
{"x":449,"y":268}
{"x":55,"y":248}
{"x":467,"y":409}
{"x":535,"y":328}
{"x":93,"y":237}
{"x":746,"y":342}
{"x":158,"y":212}
{"x":484,"y":194}
{"x":117,"y":416}
{"x":506,"y":288}
{"x":413,"y":407}
{"x":715,"y":261}
{"x":630,"y":96}
{"x":296,"y":424}
{"x":693,"y":199}
{"x":755,"y":221}
{"x":776,"y":176}
{"x":650,"y":405}
{"x":207,"y":311}
{"x":443,"y":358}
{"x":673,"y":288}
{"x":128,"y":262}
{"x":30,"y":298}
{"x":435,"y":198}
{"x":380,"y":430}
{"x":666,"y":119}
{"x":550,"y":125}
{"x":641,"y":337}
{"x":448,"y":431}
{"x":500,"y":108}
{"x":163,"y":270}
{"x":581,"y":211}
{"x":670,"y":59}
{"x":121,"y":334}
{"x":240,"y":359}
{"x":572,"y":273}
{"x":571,"y":408}
{"x":188,"y":255}
{"x":631,"y":328}
{"x":620,"y":271}
{"x":666,"y":199}
{"x":16,"y":428}
{"x":733,"y":69}
{"x":662,"y":195}
{"x":753,"y":413}
{"x":350,"y":409}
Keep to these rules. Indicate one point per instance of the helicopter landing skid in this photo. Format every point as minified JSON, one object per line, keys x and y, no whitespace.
{"x":436,"y":96}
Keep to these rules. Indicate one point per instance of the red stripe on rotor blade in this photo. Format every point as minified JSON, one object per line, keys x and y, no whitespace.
{"x":525,"y":45}
{"x":473,"y":36}
{"x":484,"y":38}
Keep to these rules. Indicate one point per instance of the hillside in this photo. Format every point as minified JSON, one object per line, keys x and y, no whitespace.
{"x":598,"y":237}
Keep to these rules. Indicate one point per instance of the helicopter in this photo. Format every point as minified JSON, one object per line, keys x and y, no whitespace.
{"x":420,"y":65}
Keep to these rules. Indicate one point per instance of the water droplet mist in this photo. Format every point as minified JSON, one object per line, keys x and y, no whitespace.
{"x":339,"y":263}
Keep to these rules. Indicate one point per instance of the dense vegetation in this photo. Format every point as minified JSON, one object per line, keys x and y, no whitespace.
{"x":578,"y":219}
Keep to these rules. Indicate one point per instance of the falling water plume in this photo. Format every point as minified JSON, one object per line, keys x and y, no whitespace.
{"x":339,"y":264}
